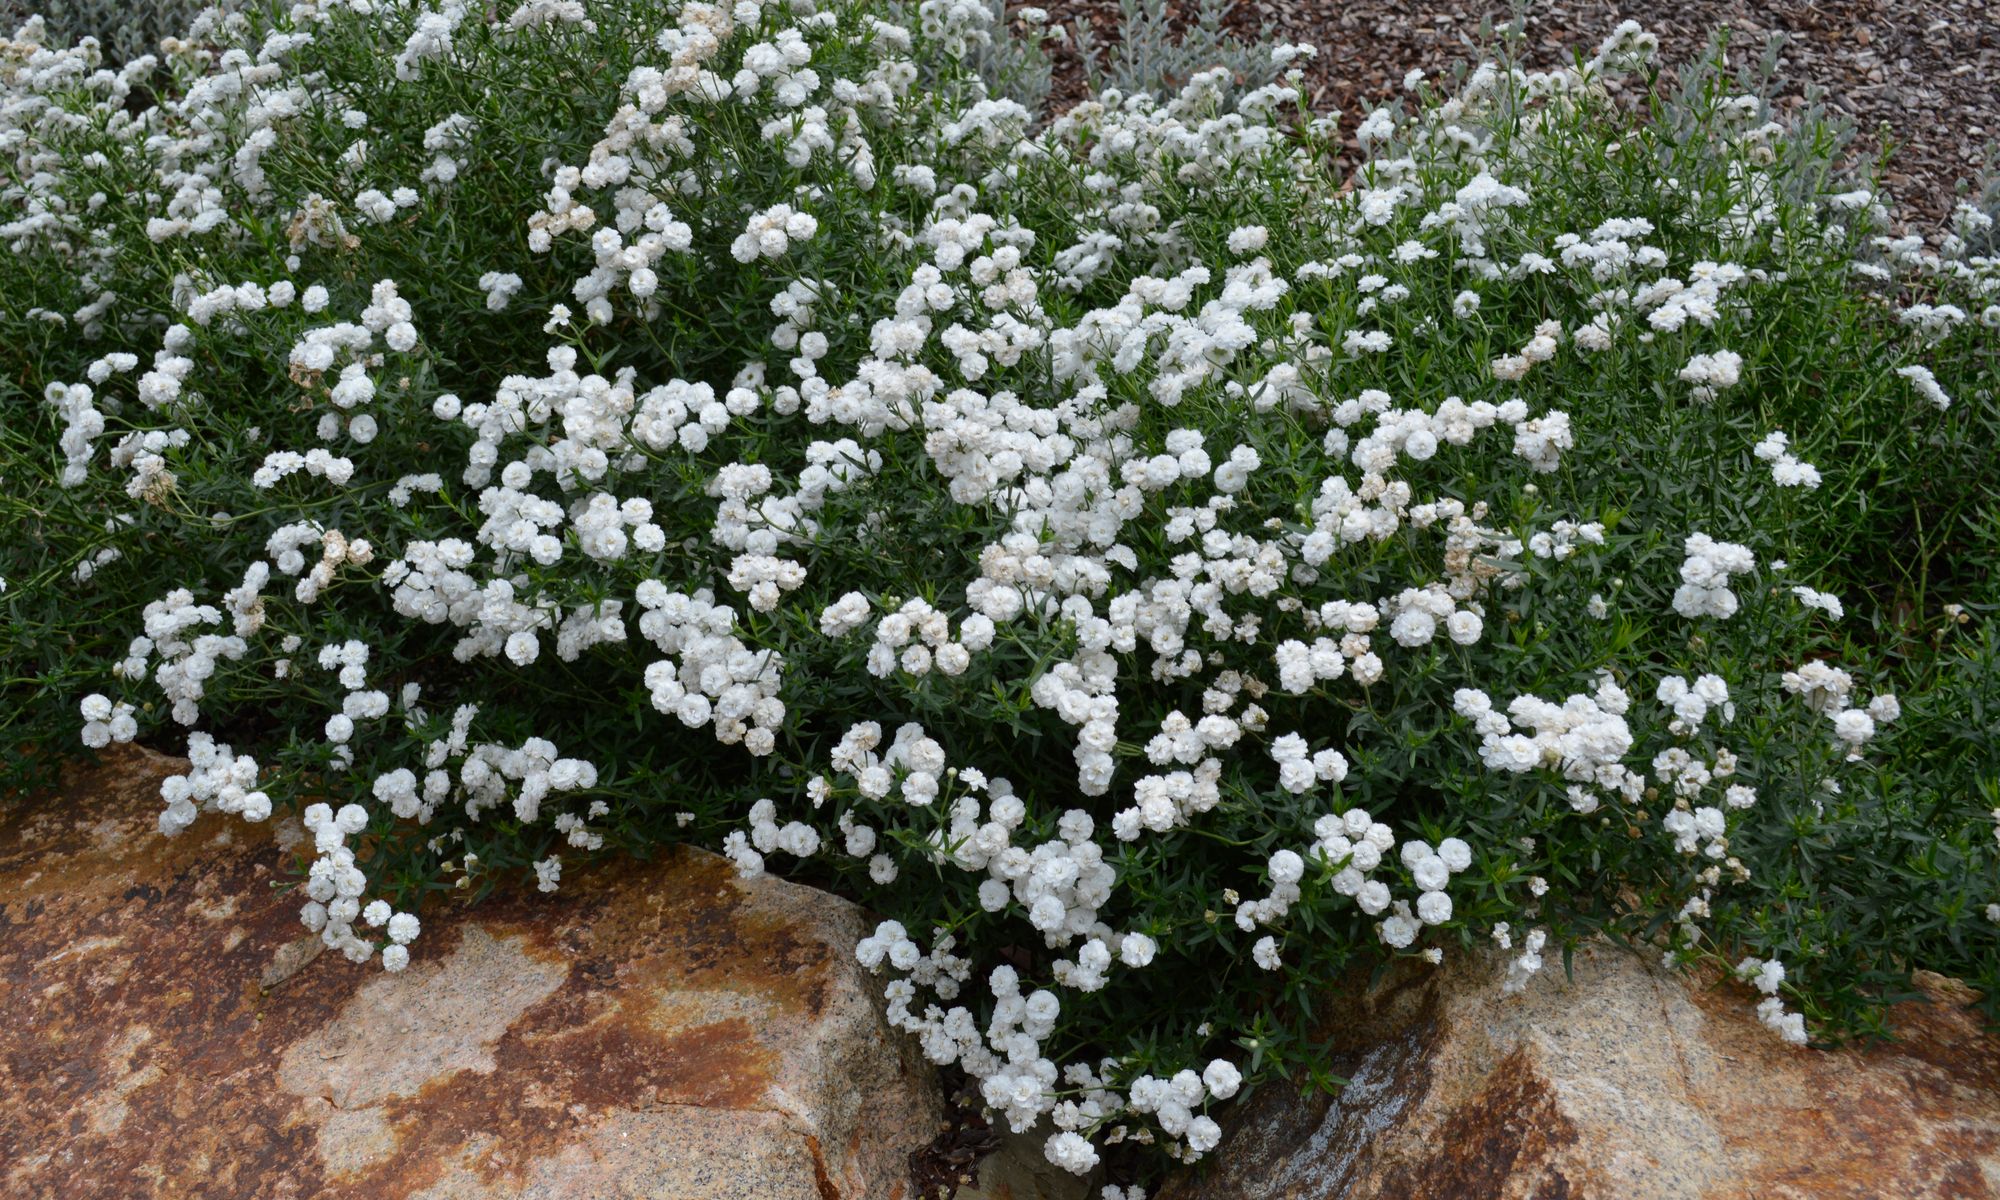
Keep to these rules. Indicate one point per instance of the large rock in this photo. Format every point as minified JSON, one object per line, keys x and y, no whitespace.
{"x":1623,"y":1085}
{"x":656,"y":1030}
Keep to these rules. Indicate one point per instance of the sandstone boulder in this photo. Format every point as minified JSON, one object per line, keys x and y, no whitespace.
{"x":656,"y":1030}
{"x":1625,"y":1084}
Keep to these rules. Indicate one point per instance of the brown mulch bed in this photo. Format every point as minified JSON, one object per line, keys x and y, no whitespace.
{"x":1925,"y":73}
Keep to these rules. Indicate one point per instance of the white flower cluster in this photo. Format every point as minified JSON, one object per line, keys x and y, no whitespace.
{"x":285,"y":548}
{"x":1354,"y":845}
{"x":768,"y":837}
{"x":635,"y":265}
{"x":607,"y":527}
{"x":500,"y":288}
{"x":679,"y":413}
{"x":1825,"y":602}
{"x":1525,"y":966}
{"x":1026,"y":573}
{"x":1020,"y":1083}
{"x":317,"y":461}
{"x":1828,"y":690}
{"x":1300,"y":769}
{"x":146,"y":455}
{"x":1786,"y":471}
{"x":105,"y":722}
{"x":1692,"y":702}
{"x":1421,"y":612}
{"x":756,"y":524}
{"x":361,"y":703}
{"x":534,"y":13}
{"x":1170,"y":800}
{"x":1702,"y":828}
{"x":1431,"y":871}
{"x":1712,"y":373}
{"x":83,"y":424}
{"x":1585,"y":739}
{"x":1560,"y":541}
{"x":1705,"y":576}
{"x":709,"y":677}
{"x":431,"y":38}
{"x":1539,"y":349}
{"x":531,"y":772}
{"x":217,"y":780}
{"x":1769,"y":975}
{"x":186,"y":658}
{"x":1058,"y":884}
{"x":770,"y":234}
{"x":914,"y":639}
{"x":1927,"y":386}
{"x":335,"y":885}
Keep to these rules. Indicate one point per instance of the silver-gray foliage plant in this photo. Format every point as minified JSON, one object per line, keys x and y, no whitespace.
{"x":1150,"y":57}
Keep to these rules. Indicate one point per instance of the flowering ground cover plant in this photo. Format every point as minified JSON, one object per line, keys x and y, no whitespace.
{"x":1117,"y":549}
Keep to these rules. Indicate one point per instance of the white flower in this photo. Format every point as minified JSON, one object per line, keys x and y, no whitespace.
{"x":1265,"y":953}
{"x":548,"y":873}
{"x":1413,"y":627}
{"x":1072,"y":1152}
{"x":1134,"y":949}
{"x":1464,"y":627}
{"x":1248,"y":239}
{"x":1431,"y":873}
{"x":1373,"y":898}
{"x":1927,"y":386}
{"x":1286,"y":867}
{"x":1203,"y":1135}
{"x":1853,"y":726}
{"x":1399,"y":929}
{"x":1221,"y":1078}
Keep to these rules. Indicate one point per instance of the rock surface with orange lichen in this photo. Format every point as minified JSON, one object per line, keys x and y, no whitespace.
{"x":657,"y":1030}
{"x":1621,"y":1084}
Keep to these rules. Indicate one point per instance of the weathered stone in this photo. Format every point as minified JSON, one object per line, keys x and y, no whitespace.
{"x":656,"y":1030}
{"x":1626,"y":1084}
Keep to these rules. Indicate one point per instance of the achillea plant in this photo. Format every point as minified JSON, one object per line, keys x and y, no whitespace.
{"x":1118,"y":550}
